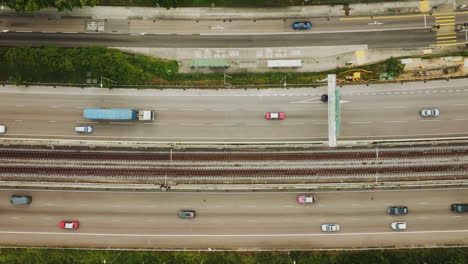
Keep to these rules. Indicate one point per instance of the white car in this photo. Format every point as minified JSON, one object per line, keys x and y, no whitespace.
{"x":84,"y":129}
{"x":430,"y":112}
{"x":330,"y":227}
{"x":2,"y":129}
{"x":398,"y":225}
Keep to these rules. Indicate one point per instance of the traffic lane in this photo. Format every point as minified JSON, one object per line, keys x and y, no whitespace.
{"x":243,"y":203}
{"x":294,"y":241}
{"x":383,"y":39}
{"x":232,"y":223}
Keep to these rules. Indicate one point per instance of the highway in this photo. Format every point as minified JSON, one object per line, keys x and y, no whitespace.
{"x":377,"y":111}
{"x":232,"y":220}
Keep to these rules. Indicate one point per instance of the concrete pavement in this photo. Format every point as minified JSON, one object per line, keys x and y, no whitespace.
{"x":381,"y":111}
{"x":232,"y":220}
{"x":220,"y":13}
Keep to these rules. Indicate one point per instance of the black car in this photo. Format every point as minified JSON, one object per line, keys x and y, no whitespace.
{"x":397,"y":210}
{"x":20,"y":199}
{"x":324,"y":98}
{"x":460,"y":208}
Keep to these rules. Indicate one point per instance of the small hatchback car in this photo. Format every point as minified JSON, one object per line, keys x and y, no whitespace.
{"x":397,"y":210}
{"x":303,"y":25}
{"x":83,"y":129}
{"x":330,"y":227}
{"x":430,"y":112}
{"x":398,"y":225}
{"x":274,"y":115}
{"x":306,"y":199}
{"x":186,"y":214}
{"x":20,"y":199}
{"x":69,"y":224}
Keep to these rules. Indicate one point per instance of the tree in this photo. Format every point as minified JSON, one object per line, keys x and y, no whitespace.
{"x":34,"y":5}
{"x":166,"y":3}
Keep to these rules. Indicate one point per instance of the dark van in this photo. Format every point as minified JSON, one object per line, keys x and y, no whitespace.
{"x":460,"y":208}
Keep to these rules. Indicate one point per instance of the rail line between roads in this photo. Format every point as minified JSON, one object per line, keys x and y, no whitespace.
{"x":177,"y":167}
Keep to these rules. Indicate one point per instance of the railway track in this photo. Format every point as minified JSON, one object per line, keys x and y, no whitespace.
{"x":233,"y":167}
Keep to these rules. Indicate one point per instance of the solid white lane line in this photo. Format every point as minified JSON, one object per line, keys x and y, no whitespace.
{"x":236,"y":235}
{"x":120,"y":123}
{"x":360,"y":122}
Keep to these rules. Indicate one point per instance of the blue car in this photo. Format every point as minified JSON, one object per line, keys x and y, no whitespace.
{"x":302,"y":25}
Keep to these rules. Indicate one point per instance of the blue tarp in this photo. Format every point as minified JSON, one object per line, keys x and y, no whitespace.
{"x":111,"y":114}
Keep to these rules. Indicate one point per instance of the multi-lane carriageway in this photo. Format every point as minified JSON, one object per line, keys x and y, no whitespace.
{"x":232,"y":220}
{"x":374,"y":112}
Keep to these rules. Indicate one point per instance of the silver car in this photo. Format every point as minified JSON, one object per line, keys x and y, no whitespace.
{"x":330,"y":227}
{"x":398,"y":225}
{"x":83,"y":129}
{"x":430,"y":112}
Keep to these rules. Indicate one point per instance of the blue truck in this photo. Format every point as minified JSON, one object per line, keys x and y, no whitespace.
{"x":117,"y":114}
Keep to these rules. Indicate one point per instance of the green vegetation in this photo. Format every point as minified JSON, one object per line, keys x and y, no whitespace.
{"x":33,"y":5}
{"x":88,"y":64}
{"x":61,"y":256}
{"x":78,"y":65}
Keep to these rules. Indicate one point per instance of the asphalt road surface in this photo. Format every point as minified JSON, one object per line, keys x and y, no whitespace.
{"x":232,"y":220}
{"x":384,"y":111}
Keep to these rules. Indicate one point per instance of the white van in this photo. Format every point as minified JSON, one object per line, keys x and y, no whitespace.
{"x":83,"y":129}
{"x":2,"y":129}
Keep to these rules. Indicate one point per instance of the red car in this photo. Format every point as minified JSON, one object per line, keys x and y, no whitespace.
{"x":274,"y":115}
{"x":306,"y":199}
{"x":69,"y":224}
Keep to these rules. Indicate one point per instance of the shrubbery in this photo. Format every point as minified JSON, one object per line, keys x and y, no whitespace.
{"x":60,"y":256}
{"x":76,"y":65}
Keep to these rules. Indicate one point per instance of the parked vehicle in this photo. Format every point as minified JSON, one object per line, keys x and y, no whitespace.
{"x":69,"y":224}
{"x":306,"y":199}
{"x":398,"y":225}
{"x":330,"y":227}
{"x":274,"y":115}
{"x":83,"y":129}
{"x":117,"y":114}
{"x":2,"y":129}
{"x":186,"y":214}
{"x":303,"y":25}
{"x":397,"y":210}
{"x":460,"y":208}
{"x":430,"y":112}
{"x":20,"y":199}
